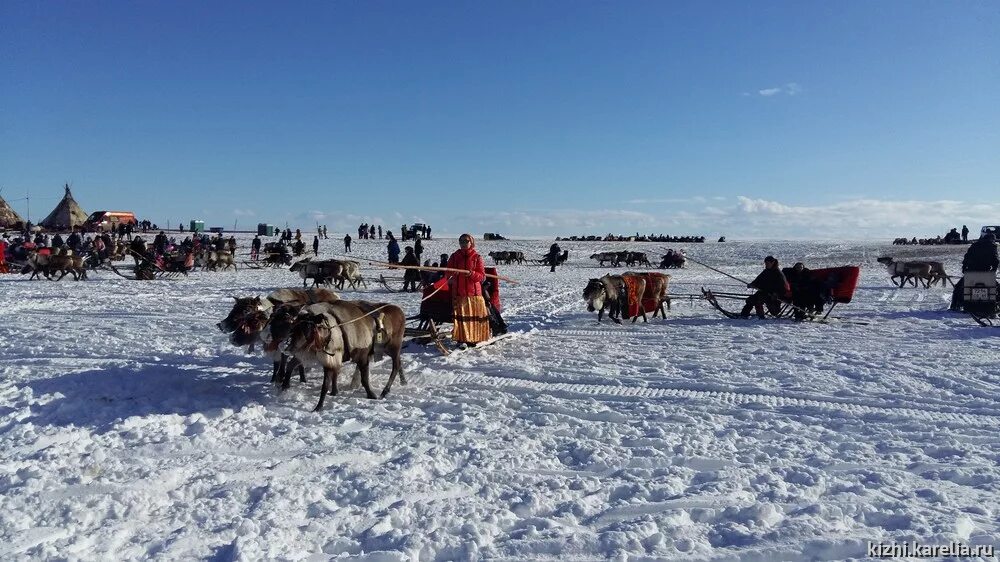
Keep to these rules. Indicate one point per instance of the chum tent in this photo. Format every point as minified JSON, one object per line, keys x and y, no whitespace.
{"x":8,"y":216}
{"x":66,"y":215}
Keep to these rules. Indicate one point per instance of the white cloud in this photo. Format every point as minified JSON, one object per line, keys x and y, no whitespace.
{"x":244,"y":213}
{"x":860,"y":218}
{"x":668,"y":201}
{"x":789,"y":89}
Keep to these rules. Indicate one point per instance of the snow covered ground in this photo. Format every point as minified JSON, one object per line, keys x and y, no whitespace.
{"x":131,"y":429}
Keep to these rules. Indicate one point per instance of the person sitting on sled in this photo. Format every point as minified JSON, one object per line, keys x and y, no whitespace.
{"x":808,"y":295}
{"x":771,"y":286}
{"x":982,"y":255}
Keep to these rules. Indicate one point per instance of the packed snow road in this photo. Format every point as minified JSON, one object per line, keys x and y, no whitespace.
{"x":131,"y":429}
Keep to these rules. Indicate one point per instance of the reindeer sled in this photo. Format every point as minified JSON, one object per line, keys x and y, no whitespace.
{"x":164,"y":266}
{"x":274,"y":255}
{"x":833,"y":286}
{"x":436,"y":310}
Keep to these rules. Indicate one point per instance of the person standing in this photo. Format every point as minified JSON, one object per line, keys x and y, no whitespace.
{"x":74,"y":242}
{"x":393,"y":249}
{"x":418,"y":249}
{"x":316,"y":245}
{"x":965,"y":233}
{"x":553,"y":256}
{"x":380,"y":232}
{"x":411,"y":277}
{"x":471,"y":318}
{"x":255,"y":248}
{"x":347,"y":242}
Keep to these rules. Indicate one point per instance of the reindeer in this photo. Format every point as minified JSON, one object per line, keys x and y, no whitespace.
{"x":938,"y":274}
{"x":602,"y":257}
{"x":220,"y":259}
{"x":250,"y":316}
{"x":655,"y":289}
{"x":49,"y":264}
{"x":350,"y":273}
{"x":912,"y":271}
{"x":322,"y":272}
{"x":329,"y":334}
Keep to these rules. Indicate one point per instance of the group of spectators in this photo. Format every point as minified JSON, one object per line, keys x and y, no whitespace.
{"x":637,"y":238}
{"x":368,"y":231}
{"x":953,"y":236}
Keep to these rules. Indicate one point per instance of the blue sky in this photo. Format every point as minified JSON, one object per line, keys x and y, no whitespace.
{"x":750,"y":119}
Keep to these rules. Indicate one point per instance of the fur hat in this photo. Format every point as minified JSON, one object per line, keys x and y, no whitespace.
{"x":770,"y":259}
{"x":472,"y":240}
{"x":989,"y":236}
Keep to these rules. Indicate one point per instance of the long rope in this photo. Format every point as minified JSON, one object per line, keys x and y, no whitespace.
{"x":718,"y":271}
{"x":431,"y":268}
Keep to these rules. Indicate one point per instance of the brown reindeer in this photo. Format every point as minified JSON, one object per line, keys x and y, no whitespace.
{"x":912,"y":271}
{"x":330,"y":334}
{"x":250,"y":317}
{"x":656,"y":288}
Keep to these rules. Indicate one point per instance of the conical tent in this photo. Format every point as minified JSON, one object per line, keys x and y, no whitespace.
{"x":8,"y":217}
{"x":66,"y":215}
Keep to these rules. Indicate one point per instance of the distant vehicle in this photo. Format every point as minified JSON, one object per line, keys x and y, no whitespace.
{"x":990,"y":229}
{"x":104,"y":221}
{"x":414,"y":231}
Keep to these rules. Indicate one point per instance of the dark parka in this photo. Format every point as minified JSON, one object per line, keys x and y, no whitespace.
{"x":771,"y":281}
{"x":981,"y":256}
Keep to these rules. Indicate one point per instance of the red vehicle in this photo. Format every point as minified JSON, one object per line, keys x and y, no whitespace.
{"x":104,"y":221}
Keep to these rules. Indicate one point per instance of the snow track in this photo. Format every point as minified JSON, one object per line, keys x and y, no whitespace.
{"x":874,"y":412}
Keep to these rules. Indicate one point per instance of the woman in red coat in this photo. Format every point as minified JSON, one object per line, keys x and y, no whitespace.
{"x":472,"y":320}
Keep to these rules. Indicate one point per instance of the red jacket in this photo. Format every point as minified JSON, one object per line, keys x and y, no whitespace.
{"x":467,"y":285}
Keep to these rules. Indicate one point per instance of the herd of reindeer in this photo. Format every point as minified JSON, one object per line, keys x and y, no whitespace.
{"x":299,"y":328}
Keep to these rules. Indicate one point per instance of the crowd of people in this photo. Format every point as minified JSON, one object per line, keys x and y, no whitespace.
{"x":637,"y":238}
{"x":953,"y":236}
{"x":100,"y":244}
{"x":369,"y":231}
